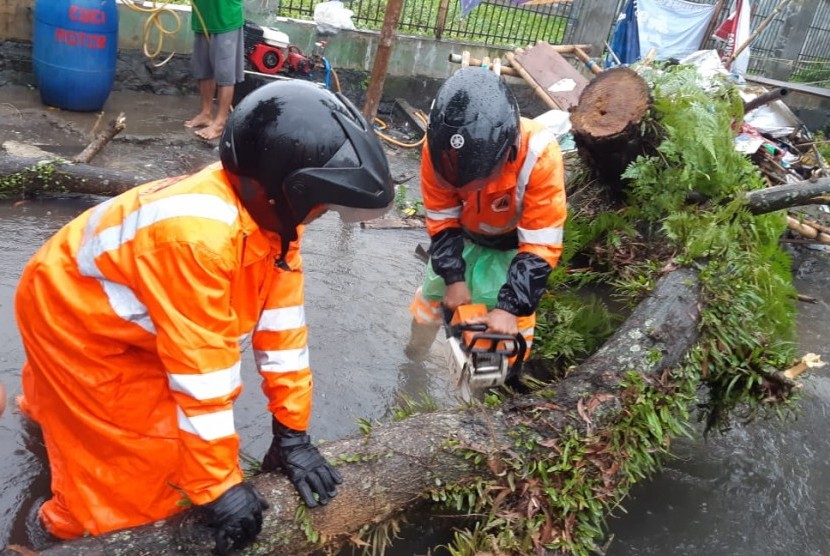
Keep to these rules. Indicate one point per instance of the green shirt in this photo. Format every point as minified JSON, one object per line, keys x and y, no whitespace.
{"x":219,"y":16}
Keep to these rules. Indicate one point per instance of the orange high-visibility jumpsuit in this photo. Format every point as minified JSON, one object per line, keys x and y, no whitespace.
{"x":132,"y":317}
{"x":523,"y":208}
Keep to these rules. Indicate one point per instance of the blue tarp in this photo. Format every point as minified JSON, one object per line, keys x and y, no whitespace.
{"x":468,"y":5}
{"x":626,"y":39}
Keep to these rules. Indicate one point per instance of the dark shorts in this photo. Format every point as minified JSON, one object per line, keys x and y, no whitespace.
{"x":219,"y":57}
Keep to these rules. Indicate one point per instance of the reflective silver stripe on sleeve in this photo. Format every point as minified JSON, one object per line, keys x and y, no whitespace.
{"x":445,"y":214}
{"x":206,"y":386}
{"x":286,"y":318}
{"x":209,"y":426}
{"x":545,"y":236}
{"x":282,"y":361}
{"x":537,"y":144}
{"x":122,"y":299}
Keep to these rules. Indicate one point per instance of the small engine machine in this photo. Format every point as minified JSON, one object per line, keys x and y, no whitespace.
{"x":269,"y":51}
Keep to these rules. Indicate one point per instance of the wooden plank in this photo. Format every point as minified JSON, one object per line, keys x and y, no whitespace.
{"x":553,"y":74}
{"x":410,"y":114}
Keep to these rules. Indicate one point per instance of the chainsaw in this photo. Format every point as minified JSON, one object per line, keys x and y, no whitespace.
{"x":480,"y":359}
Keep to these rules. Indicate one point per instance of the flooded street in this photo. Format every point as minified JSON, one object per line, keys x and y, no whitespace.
{"x":760,"y":489}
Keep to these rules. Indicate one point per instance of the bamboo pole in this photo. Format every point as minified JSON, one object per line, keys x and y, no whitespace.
{"x":806,"y":230}
{"x":757,"y":32}
{"x":505,"y":70}
{"x":712,"y":24}
{"x":816,"y":225}
{"x":585,"y":59}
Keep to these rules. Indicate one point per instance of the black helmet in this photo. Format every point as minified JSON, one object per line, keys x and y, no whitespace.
{"x":310,"y":149}
{"x":473,"y":127}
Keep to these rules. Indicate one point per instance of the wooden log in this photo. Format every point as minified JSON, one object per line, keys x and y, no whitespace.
{"x":65,"y":177}
{"x":765,"y":98}
{"x":103,"y":137}
{"x":808,"y":192}
{"x":606,"y":122}
{"x":390,"y":468}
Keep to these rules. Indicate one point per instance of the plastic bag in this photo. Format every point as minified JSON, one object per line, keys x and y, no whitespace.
{"x":486,"y":273}
{"x":332,"y":16}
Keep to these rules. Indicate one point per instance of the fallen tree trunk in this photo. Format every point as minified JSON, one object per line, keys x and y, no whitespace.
{"x":21,"y":176}
{"x":385,"y":475}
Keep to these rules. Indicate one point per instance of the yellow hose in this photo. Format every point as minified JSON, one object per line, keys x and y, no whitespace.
{"x":154,"y":21}
{"x":382,"y":125}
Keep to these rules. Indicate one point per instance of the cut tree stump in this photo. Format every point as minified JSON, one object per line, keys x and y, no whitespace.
{"x":606,"y":122}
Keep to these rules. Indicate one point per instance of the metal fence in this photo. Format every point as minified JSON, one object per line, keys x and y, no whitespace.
{"x":495,"y":22}
{"x":505,"y":23}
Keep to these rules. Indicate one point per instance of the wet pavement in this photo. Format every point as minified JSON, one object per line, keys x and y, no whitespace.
{"x":760,"y":489}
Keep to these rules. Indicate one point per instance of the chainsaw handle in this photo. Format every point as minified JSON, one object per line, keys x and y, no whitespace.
{"x":465,"y":327}
{"x":492,"y":342}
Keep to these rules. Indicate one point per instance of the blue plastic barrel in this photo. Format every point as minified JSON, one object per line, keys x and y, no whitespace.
{"x":74,"y":51}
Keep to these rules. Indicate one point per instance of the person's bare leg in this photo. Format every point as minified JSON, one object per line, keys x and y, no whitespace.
{"x":224,"y":98}
{"x":206,"y":89}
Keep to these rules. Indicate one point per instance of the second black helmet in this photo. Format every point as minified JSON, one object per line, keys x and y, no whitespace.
{"x":473,"y":127}
{"x":310,"y":149}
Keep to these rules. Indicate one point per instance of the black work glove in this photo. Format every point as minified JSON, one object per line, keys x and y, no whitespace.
{"x":292,"y":452}
{"x":235,"y":517}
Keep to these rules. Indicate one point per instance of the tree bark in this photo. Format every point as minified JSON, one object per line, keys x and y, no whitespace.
{"x":808,"y":192}
{"x":390,"y":469}
{"x":606,"y":122}
{"x":66,"y":178}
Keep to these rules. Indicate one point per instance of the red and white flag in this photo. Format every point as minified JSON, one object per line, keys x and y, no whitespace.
{"x":734,"y":32}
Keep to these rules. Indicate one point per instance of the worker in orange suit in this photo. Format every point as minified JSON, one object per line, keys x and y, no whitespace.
{"x":493,"y":188}
{"x":132,"y":317}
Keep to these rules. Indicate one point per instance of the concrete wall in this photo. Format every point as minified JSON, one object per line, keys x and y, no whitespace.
{"x":350,"y":50}
{"x":16,"y":19}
